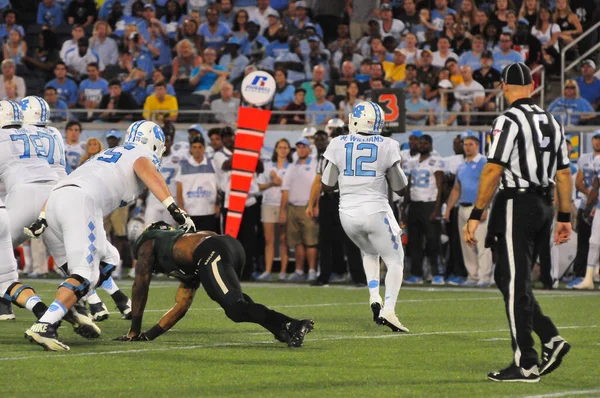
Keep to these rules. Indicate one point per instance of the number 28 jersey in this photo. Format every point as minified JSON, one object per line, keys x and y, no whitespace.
{"x":109,"y":178}
{"x":363,"y":161}
{"x":423,"y":186}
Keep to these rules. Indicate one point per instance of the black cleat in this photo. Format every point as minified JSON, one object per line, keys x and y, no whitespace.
{"x":376,"y":309}
{"x":516,"y":374}
{"x":552,"y":354}
{"x":125,"y":308}
{"x":82,"y":324}
{"x":98,"y":312}
{"x":44,"y":334}
{"x":298,"y":330}
{"x":6,"y":313}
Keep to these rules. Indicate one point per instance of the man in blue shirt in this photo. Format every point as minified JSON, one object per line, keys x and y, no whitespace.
{"x":589,"y":86}
{"x":571,"y":103}
{"x":142,"y":58}
{"x":158,"y":45}
{"x":417,"y":109}
{"x":506,"y":55}
{"x":472,"y":58}
{"x":226,"y":14}
{"x":67,"y":89}
{"x":205,"y":76}
{"x":233,"y":61}
{"x":58,"y":107}
{"x":215,"y":33}
{"x":440,"y":12}
{"x":478,"y":259}
{"x":49,"y":13}
{"x":320,"y":104}
{"x":92,"y":89}
{"x":253,"y":38}
{"x":279,"y":46}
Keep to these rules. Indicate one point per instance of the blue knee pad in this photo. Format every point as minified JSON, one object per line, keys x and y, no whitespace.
{"x":106,"y":271}
{"x":13,"y":298}
{"x":81,"y":290}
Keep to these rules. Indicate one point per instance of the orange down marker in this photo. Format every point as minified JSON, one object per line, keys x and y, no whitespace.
{"x":252,"y":126}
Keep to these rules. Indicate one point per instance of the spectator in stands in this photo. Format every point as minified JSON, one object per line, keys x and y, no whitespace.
{"x":8,"y":74}
{"x":470,"y":94}
{"x":408,"y":14}
{"x":448,"y":30}
{"x":428,"y":75}
{"x":215,"y":33}
{"x":49,"y":13}
{"x":240,"y":24}
{"x":417,"y":109}
{"x":440,"y":106}
{"x":524,"y":41}
{"x":67,"y":89}
{"x":10,"y":89}
{"x":197,"y":188}
{"x":481,"y":21}
{"x":472,"y":57}
{"x":377,"y":51}
{"x":439,"y":13}
{"x":261,"y":13}
{"x":350,"y":101}
{"x":511,"y":23}
{"x":141,"y":56}
{"x":396,"y":71}
{"x":491,"y":35}
{"x":114,"y":16}
{"x":460,"y":44}
{"x":270,"y":32}
{"x":547,"y":32}
{"x":93,"y":146}
{"x":443,"y":53}
{"x":364,"y":44}
{"x":500,"y":12}
{"x":279,"y":46}
{"x":158,"y":45}
{"x":337,"y":91}
{"x":158,"y":76}
{"x":364,"y":73}
{"x":92,"y":89}
{"x":455,"y":75}
{"x":317,"y":55}
{"x":116,"y":99}
{"x":161,"y":106}
{"x":77,"y":32}
{"x":467,"y":14}
{"x":15,"y":48}
{"x":232,"y":61}
{"x":81,"y":12}
{"x":360,"y":13}
{"x":343,"y":36}
{"x":374,"y":84}
{"x":284,"y":92}
{"x":570,"y":103}
{"x":226,"y":13}
{"x":208,"y":78}
{"x":103,"y":45}
{"x":302,"y":231}
{"x":269,"y":183}
{"x":529,"y":11}
{"x":148,"y":15}
{"x":424,"y":26}
{"x":225,"y":108}
{"x":58,"y":108}
{"x":123,"y":67}
{"x":389,"y":26}
{"x":344,"y":54}
{"x":411,"y":51}
{"x":410,"y":76}
{"x":135,"y":84}
{"x":318,"y":77}
{"x":589,"y":86}
{"x":321,"y":104}
{"x":297,"y":109}
{"x":185,"y":62}
{"x":45,"y":56}
{"x":251,"y":40}
{"x":506,"y":55}
{"x":173,"y":18}
{"x":10,"y":23}
{"x":567,"y":20}
{"x":490,"y":79}
{"x":78,"y":59}
{"x":189,"y":31}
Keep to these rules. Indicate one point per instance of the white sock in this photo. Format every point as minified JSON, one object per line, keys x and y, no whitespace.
{"x":371,"y":266}
{"x":93,"y":298}
{"x":589,"y":273}
{"x":31,"y":302}
{"x":55,"y":313}
{"x":393,"y":281}
{"x":27,"y":258}
{"x":109,"y":285}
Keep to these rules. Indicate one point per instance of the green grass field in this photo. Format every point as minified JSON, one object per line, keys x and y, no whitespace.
{"x":456,"y":337}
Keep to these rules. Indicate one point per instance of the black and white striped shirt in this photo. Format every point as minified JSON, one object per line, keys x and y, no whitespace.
{"x":530,"y":144}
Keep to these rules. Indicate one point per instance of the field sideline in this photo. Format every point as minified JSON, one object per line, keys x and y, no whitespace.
{"x":456,"y":336}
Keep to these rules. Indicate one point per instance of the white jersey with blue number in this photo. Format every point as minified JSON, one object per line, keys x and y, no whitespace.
{"x":23,"y":158}
{"x":53,"y":144}
{"x":585,"y":164}
{"x":423,"y":186}
{"x":169,"y":166}
{"x":109,"y":178}
{"x":74,"y":153}
{"x":363,"y":162}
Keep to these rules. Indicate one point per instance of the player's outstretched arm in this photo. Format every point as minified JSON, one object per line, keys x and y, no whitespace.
{"x":183,"y":301}
{"x":141,"y":285}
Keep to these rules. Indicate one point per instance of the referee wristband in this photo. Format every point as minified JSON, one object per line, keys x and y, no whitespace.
{"x":155,"y":331}
{"x":476,"y":214}
{"x":563,"y":217}
{"x":168,"y":201}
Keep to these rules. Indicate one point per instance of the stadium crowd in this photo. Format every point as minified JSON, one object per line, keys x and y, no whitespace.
{"x":107,"y":60}
{"x":117,"y":60}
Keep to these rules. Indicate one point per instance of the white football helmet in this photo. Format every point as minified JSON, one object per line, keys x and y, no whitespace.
{"x":10,"y":114}
{"x":309,"y":132}
{"x":148,"y":134}
{"x":35,"y":110}
{"x":332,"y":124}
{"x":367,"y":118}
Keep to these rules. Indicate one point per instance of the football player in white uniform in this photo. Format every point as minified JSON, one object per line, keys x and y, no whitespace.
{"x":74,"y":148}
{"x":593,"y":208}
{"x":76,"y":208}
{"x":362,"y":164}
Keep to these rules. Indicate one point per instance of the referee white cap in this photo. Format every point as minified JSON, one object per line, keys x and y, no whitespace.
{"x":517,"y":74}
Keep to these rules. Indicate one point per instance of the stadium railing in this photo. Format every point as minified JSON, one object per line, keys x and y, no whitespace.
{"x":564,"y":69}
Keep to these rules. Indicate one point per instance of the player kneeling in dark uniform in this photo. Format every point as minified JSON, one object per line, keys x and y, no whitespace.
{"x":201,"y":258}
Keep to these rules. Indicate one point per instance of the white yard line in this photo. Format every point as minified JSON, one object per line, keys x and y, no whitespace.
{"x":309,"y":341}
{"x":565,"y":394}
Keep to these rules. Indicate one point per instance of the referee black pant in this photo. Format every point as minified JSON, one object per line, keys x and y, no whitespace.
{"x":419,"y":227}
{"x":520,"y":226}
{"x":584,"y":231}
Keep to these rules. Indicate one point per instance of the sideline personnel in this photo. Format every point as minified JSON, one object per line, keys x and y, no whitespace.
{"x":528,"y":155}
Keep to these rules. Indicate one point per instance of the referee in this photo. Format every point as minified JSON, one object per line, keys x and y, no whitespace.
{"x":527,"y":157}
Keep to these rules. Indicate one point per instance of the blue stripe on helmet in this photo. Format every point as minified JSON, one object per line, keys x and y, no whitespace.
{"x":44,"y":109}
{"x":377,"y":115}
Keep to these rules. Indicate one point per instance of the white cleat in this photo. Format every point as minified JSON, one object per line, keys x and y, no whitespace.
{"x":82,"y":325}
{"x":44,"y":334}
{"x":391,"y":320}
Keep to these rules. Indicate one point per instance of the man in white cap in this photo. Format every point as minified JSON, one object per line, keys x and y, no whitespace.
{"x":589,"y":85}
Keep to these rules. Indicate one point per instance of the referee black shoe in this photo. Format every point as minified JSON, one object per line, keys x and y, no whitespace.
{"x":516,"y":374}
{"x":298,"y":330}
{"x":552,"y":354}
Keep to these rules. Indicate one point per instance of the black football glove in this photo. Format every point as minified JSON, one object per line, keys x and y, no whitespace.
{"x":182,"y":218}
{"x":36,"y":228}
